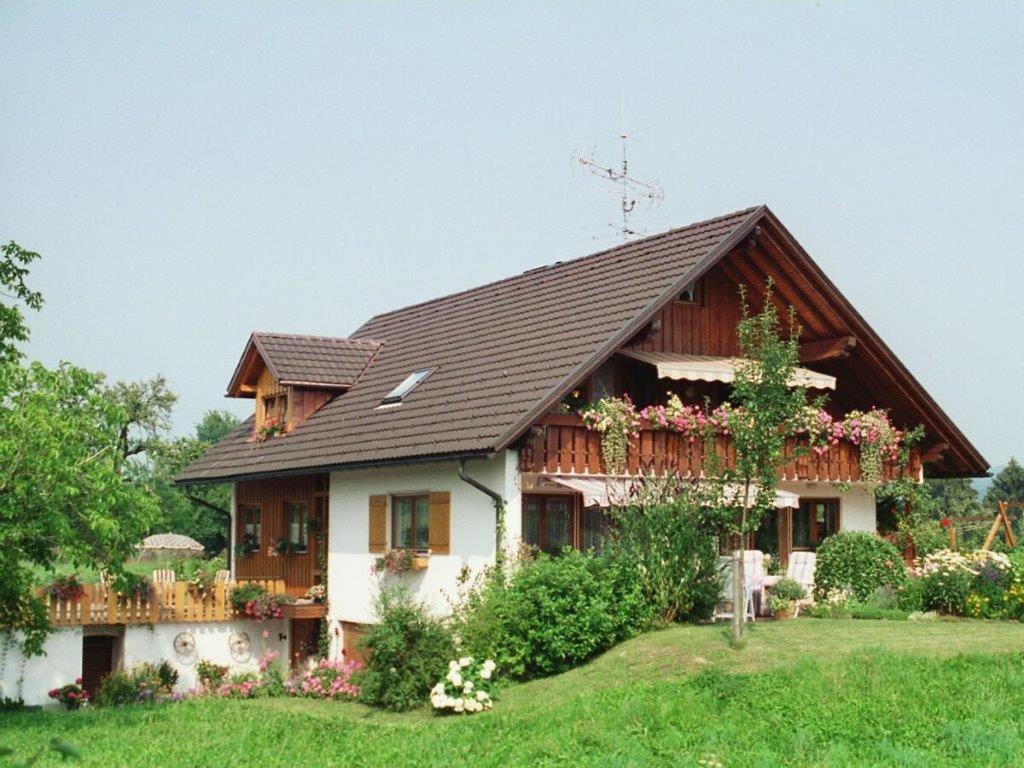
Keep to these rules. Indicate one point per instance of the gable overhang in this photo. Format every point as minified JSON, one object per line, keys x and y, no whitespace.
{"x":809,"y":284}
{"x":253,"y":356}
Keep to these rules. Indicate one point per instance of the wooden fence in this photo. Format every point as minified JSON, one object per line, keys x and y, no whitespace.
{"x":177,"y":602}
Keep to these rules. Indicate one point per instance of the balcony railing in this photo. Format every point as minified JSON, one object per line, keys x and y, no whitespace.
{"x":561,"y":445}
{"x":172,"y":602}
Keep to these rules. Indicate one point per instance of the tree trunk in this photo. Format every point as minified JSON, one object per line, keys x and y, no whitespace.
{"x":739,"y":605}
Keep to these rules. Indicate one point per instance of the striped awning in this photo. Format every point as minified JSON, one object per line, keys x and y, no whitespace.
{"x":671,"y":365}
{"x":614,"y":491}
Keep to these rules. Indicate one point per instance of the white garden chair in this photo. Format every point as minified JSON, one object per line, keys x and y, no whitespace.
{"x":753,"y":575}
{"x":801,"y":570}
{"x":222,"y":576}
{"x":164,"y":576}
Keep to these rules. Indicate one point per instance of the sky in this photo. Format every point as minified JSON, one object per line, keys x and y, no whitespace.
{"x":192,"y":172}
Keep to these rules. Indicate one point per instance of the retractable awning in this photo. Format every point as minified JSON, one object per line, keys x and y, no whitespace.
{"x":671,"y":365}
{"x":609,"y":491}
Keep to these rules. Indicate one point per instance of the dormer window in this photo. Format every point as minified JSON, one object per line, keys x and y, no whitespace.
{"x":275,"y":407}
{"x":409,"y":383}
{"x":690,"y":293}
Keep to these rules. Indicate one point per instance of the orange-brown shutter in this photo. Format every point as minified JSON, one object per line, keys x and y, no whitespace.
{"x":378,"y":524}
{"x":439,"y":523}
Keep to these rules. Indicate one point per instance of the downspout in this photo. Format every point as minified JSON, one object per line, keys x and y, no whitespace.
{"x":499,"y":514}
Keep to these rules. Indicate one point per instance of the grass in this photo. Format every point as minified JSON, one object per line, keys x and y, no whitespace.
{"x":806,"y":692}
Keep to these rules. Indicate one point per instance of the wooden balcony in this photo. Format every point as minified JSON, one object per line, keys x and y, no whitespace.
{"x":175,"y":602}
{"x":561,"y":445}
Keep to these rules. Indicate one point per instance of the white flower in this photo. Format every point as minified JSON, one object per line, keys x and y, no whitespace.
{"x":490,"y":665}
{"x":453,"y":666}
{"x":459,"y":705}
{"x":485,"y":673}
{"x":465,"y":661}
{"x":455,"y":679}
{"x":468,"y":687}
{"x":482,"y":696}
{"x":437,"y":690}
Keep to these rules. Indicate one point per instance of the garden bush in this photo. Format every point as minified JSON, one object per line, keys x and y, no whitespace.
{"x":667,"y":549}
{"x":553,"y":613}
{"x":859,"y":562}
{"x":946,"y":592}
{"x":143,"y":682}
{"x":408,"y":652}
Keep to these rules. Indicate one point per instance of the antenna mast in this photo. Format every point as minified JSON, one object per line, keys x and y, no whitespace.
{"x":628,"y":189}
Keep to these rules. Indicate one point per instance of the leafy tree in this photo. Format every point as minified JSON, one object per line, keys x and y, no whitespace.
{"x":62,"y":494}
{"x":1007,"y":485}
{"x":61,"y":491}
{"x":954,"y":497}
{"x":737,"y":498}
{"x":14,"y":261}
{"x":200,"y":511}
{"x":147,"y":407}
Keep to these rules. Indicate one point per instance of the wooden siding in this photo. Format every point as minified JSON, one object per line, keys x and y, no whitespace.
{"x":705,"y":328}
{"x":563,"y":446}
{"x":299,"y":571}
{"x":303,"y":402}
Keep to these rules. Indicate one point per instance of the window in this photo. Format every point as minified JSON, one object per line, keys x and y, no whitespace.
{"x":408,"y":384}
{"x":595,"y":526}
{"x":813,"y":521}
{"x":297,"y":516}
{"x":251,"y":527}
{"x":275,"y":407}
{"x":690,"y":293}
{"x":409,"y":522}
{"x":548,"y":522}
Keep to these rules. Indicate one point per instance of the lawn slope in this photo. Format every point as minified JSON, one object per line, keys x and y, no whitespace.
{"x":798,"y":693}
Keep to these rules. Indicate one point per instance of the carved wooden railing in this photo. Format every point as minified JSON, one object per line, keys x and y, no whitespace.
{"x":561,"y":445}
{"x":176,"y":601}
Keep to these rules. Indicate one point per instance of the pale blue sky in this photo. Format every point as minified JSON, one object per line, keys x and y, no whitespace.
{"x":192,"y":172}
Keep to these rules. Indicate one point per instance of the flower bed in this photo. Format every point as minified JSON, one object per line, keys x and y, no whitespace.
{"x":466,"y":688}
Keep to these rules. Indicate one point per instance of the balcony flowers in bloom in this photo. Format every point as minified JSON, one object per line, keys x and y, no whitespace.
{"x":617,"y":421}
{"x":267,"y":607}
{"x":466,"y":689}
{"x":65,"y":588}
{"x":271,"y":426}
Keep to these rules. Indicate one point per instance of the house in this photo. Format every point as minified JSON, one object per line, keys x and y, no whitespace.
{"x":427,"y":424}
{"x":406,"y":432}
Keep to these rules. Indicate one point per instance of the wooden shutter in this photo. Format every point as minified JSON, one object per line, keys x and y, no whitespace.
{"x":440,"y":523}
{"x":378,"y":524}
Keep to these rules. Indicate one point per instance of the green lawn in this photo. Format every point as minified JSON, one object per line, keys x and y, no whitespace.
{"x":806,"y":692}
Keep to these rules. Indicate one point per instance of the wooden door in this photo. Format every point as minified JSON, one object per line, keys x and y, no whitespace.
{"x":97,"y":661}
{"x":303,"y":641}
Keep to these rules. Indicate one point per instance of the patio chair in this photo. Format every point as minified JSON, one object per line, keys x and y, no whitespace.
{"x":164,"y":576}
{"x":753,"y":572}
{"x":801,"y":570}
{"x":222,"y":576}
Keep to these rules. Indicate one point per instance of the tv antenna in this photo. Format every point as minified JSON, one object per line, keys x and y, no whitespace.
{"x":629,"y":189}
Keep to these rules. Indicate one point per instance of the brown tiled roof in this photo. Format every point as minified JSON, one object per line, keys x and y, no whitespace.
{"x":315,"y":360}
{"x":500,"y":354}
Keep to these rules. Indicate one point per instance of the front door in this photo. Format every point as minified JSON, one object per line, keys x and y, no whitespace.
{"x":97,"y":661}
{"x":304,"y":640}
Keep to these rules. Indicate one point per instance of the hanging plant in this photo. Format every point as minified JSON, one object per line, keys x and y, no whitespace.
{"x":616,"y":420}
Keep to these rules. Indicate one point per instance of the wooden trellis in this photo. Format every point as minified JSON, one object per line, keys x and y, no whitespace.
{"x":1002,"y":520}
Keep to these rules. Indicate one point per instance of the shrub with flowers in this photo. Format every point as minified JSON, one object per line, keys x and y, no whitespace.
{"x":317,"y":593}
{"x":975,"y":584}
{"x":466,"y":688}
{"x":616,"y":420}
{"x":66,"y":588}
{"x":72,"y":695}
{"x":326,"y":680}
{"x":210,"y":674}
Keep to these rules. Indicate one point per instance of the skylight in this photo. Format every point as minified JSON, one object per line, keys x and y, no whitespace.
{"x":409,"y":383}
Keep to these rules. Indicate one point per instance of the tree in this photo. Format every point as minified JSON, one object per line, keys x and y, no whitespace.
{"x":954,"y":497}
{"x":14,"y":261}
{"x":736,"y":498}
{"x":62,"y":494}
{"x":61,"y":491}
{"x":201,"y":511}
{"x":147,"y":407}
{"x":1007,"y":485}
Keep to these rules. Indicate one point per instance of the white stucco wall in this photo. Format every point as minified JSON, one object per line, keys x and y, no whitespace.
{"x":32,"y":678}
{"x":352,"y":586}
{"x":856,"y":505}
